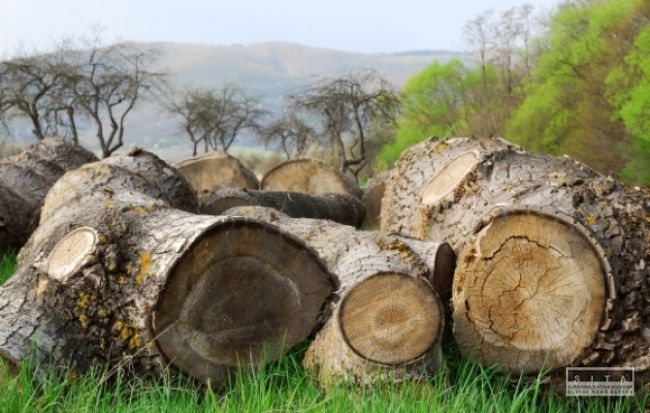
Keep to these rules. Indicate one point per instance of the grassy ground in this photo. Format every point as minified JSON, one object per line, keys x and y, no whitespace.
{"x":284,"y":387}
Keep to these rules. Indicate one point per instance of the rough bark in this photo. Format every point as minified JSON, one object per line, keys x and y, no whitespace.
{"x":214,"y":171}
{"x":552,"y":265}
{"x":387,"y":321}
{"x":25,"y":179}
{"x":341,"y":208}
{"x":116,"y":275}
{"x":309,"y":176}
{"x":372,"y":197}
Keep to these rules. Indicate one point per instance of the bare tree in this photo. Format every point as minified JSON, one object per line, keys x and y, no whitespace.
{"x":479,"y":35}
{"x":215,"y":117}
{"x":54,"y":90}
{"x":293,"y":133}
{"x":347,"y":106}
{"x":108,"y":84}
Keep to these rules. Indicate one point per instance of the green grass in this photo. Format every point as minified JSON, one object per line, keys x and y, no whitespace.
{"x":284,"y":387}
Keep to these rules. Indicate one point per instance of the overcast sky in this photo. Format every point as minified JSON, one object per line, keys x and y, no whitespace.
{"x":355,"y":25}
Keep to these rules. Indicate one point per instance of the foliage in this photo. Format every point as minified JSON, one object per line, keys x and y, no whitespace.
{"x":434,"y":103}
{"x":581,"y":88}
{"x":585,"y":97}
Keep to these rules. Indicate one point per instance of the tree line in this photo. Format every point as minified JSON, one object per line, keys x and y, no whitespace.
{"x":87,"y":81}
{"x":576,"y":83}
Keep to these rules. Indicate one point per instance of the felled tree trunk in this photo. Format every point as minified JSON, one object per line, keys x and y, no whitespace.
{"x":116,"y":275}
{"x":388,"y":320}
{"x":372,"y":197}
{"x":309,"y":176}
{"x":25,"y":179}
{"x":341,"y":208}
{"x":552,"y":265}
{"x":214,"y":171}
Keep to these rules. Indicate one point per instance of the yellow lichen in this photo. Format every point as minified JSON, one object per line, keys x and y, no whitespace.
{"x":103,"y":239}
{"x":83,"y":319}
{"x":119,"y":325}
{"x":126,"y":333}
{"x":135,"y":341}
{"x":83,"y":301}
{"x":102,"y":312}
{"x":138,"y":210}
{"x":108,"y":203}
{"x":441,"y":147}
{"x":121,"y":280}
{"x":145,"y":265}
{"x":590,"y":220}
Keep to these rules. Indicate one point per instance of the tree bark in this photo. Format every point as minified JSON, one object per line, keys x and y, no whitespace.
{"x":552,"y":265}
{"x":309,"y":176}
{"x":214,"y":171}
{"x":372,"y":197}
{"x":341,"y":208}
{"x":25,"y":179}
{"x":387,"y":321}
{"x":116,"y":275}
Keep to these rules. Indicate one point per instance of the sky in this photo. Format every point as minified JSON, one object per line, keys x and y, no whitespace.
{"x":354,"y":25}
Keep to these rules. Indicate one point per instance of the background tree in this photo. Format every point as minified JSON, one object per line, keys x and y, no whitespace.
{"x":347,"y":107}
{"x":88,"y":80}
{"x":292,"y":132}
{"x":216,"y":117}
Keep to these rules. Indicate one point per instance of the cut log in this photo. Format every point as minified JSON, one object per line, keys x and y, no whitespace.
{"x":25,"y":179}
{"x":215,"y":171}
{"x":387,"y":323}
{"x":309,"y":176}
{"x":552,"y":264}
{"x":341,"y":208}
{"x":115,"y":275}
{"x":372,"y":197}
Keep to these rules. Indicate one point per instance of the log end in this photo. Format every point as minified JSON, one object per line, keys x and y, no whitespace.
{"x":530,"y":292}
{"x":391,"y":318}
{"x":244,"y":292}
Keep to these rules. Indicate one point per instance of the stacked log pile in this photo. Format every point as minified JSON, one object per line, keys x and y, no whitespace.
{"x":25,"y":179}
{"x":552,"y":270}
{"x":121,"y":271}
{"x":387,"y":321}
{"x":551,"y":256}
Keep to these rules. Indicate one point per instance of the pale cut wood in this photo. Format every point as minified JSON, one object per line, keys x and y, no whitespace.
{"x":544,"y":214}
{"x":388,"y":321}
{"x":341,"y":208}
{"x":372,"y":197}
{"x":25,"y":179}
{"x":309,"y":176}
{"x":115,"y":275}
{"x":214,"y":171}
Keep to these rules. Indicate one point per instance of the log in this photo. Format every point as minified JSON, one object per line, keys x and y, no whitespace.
{"x":341,"y":208}
{"x":387,"y":321}
{"x":552,"y":264}
{"x":372,"y":197}
{"x":214,"y":171}
{"x":117,"y":276}
{"x":25,"y":179}
{"x":309,"y":176}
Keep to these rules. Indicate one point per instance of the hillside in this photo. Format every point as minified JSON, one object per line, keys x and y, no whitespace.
{"x":269,"y":70}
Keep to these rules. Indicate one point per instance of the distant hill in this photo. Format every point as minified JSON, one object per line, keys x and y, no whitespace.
{"x":269,"y":70}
